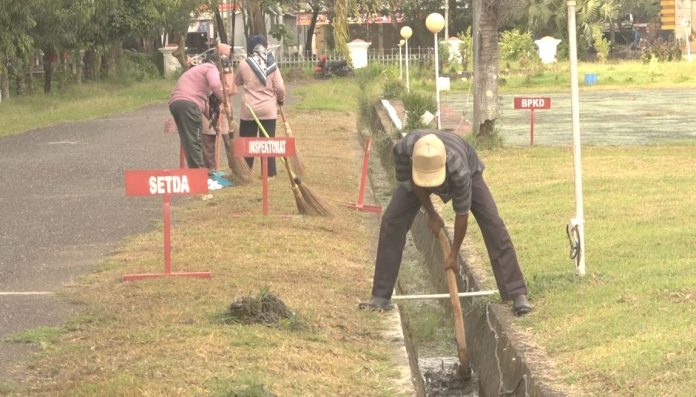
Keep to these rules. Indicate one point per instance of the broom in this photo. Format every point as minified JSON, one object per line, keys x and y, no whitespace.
{"x":308,"y":202}
{"x":295,"y":161}
{"x":241,"y":172}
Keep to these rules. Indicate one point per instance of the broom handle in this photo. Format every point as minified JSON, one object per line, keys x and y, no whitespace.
{"x":291,"y":175}
{"x":282,"y":113}
{"x":286,"y":125}
{"x":225,"y":104}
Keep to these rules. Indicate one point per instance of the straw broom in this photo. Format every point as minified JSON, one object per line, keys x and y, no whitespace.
{"x":307,"y":202}
{"x":295,"y":161}
{"x":241,"y":173}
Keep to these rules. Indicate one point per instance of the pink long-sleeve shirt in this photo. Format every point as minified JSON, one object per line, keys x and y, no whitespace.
{"x":196,"y":84}
{"x":263,"y":99}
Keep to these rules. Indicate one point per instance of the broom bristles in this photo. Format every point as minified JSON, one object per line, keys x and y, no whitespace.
{"x":302,"y":205}
{"x":313,"y":200}
{"x":241,"y":173}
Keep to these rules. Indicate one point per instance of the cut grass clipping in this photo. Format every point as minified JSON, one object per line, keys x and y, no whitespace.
{"x":266,"y":309}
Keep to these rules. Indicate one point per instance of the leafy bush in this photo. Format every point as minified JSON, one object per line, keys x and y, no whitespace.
{"x":663,"y":51}
{"x":518,"y":46}
{"x":602,"y":46}
{"x":466,"y":48}
{"x":138,"y":67}
{"x":415,"y":104}
{"x":393,"y":88}
{"x":368,"y":74}
{"x":443,"y":54}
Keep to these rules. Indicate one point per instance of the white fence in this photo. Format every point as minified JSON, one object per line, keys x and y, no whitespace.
{"x":384,"y":56}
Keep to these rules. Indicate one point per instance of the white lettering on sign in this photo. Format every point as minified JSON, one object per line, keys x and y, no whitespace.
{"x":266,"y":147}
{"x":168,"y":184}
{"x":533,"y":102}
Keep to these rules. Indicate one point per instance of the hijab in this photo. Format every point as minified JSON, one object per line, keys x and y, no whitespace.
{"x":260,"y":59}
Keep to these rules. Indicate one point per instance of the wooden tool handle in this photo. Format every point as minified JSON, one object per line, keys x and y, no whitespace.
{"x":459,"y":332}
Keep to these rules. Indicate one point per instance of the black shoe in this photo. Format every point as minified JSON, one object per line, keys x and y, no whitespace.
{"x":377,"y":304}
{"x":521,"y":306}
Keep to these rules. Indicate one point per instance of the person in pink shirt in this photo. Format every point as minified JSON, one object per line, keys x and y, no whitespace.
{"x":187,"y":105}
{"x":264,"y":89}
{"x":214,"y":114}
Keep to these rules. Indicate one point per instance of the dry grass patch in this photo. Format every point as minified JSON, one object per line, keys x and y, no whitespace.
{"x":172,"y":337}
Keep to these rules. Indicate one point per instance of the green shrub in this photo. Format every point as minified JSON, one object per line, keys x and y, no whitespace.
{"x":415,"y":104}
{"x":518,"y":46}
{"x":393,"y":88}
{"x":443,"y":54}
{"x":663,"y":51}
{"x":369,"y":74}
{"x":602,"y":46}
{"x":137,"y":67}
{"x":466,"y":48}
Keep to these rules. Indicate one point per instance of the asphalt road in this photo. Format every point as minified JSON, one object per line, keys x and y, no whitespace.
{"x":63,"y":206}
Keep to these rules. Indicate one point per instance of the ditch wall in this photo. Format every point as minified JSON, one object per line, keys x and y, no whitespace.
{"x":503,"y":357}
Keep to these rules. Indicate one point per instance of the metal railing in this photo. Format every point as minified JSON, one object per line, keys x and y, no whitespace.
{"x":384,"y":56}
{"x":300,"y":61}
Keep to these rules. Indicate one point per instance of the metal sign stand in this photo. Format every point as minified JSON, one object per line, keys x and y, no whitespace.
{"x":167,"y":183}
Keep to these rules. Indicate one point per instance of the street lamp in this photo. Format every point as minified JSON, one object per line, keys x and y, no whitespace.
{"x":401,"y":73}
{"x":406,"y":33}
{"x":435,"y":22}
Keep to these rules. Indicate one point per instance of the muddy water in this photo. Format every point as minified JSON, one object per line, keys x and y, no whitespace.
{"x":627,"y":117}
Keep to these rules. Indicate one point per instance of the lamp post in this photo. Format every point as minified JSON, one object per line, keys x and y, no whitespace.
{"x":406,"y":33}
{"x":435,"y":22}
{"x":401,"y":73}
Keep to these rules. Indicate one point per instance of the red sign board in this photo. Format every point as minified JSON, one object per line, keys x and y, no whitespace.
{"x":532,"y":103}
{"x":166,"y":182}
{"x":264,"y":147}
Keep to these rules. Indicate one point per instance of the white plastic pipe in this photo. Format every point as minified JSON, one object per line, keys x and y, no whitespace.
{"x":444,"y":296}
{"x":579,"y":219}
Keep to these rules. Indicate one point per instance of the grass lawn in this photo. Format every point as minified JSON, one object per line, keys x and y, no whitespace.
{"x":88,"y":101}
{"x":627,"y":328}
{"x":173,"y":336}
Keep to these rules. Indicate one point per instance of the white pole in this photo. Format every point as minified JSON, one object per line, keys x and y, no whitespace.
{"x":446,"y":20}
{"x":401,"y":74}
{"x":579,"y":221}
{"x":437,"y":77}
{"x":408,"y":78}
{"x":444,"y":296}
{"x":688,"y":48}
{"x":687,"y":33}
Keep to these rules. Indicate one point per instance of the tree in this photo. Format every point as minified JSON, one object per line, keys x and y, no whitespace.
{"x":15,"y":43}
{"x":488,"y":15}
{"x":316,"y":7}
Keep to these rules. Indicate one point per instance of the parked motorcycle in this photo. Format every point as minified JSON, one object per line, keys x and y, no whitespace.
{"x":326,"y":69}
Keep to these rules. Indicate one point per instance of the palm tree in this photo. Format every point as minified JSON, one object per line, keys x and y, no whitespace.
{"x":488,"y":16}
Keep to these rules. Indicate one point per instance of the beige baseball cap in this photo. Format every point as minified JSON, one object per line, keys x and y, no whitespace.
{"x":429,"y":159}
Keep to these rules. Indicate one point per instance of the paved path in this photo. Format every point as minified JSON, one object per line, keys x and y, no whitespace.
{"x":64,"y":209}
{"x":628,"y":117}
{"x":63,"y":205}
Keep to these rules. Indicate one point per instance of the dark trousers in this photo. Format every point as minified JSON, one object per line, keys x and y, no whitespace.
{"x":249,"y":129}
{"x":209,"y":150}
{"x":397,"y":220}
{"x":187,"y":117}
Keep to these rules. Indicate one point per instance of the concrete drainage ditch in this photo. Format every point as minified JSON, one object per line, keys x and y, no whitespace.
{"x":504,"y":360}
